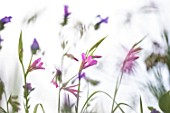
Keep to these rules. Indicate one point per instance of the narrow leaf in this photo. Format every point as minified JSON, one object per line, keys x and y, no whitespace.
{"x":2,"y":110}
{"x":164,"y":102}
{"x":141,"y":106}
{"x":94,"y":47}
{"x":20,"y":48}
{"x":36,"y":107}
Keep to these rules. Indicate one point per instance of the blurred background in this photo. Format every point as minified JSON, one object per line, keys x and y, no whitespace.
{"x":129,"y":21}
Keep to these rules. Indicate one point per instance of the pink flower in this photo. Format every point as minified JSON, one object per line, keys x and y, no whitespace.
{"x":130,"y":59}
{"x":54,"y":81}
{"x":37,"y":64}
{"x":71,"y":90}
{"x":87,"y":61}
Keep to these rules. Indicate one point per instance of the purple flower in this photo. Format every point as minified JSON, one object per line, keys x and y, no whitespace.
{"x":66,"y":14}
{"x":71,"y":90}
{"x":87,"y":61}
{"x":102,"y":20}
{"x":6,"y":20}
{"x":1,"y":39}
{"x":34,"y":46}
{"x":155,"y":111}
{"x":28,"y":87}
{"x":37,"y":64}
{"x":130,"y":59}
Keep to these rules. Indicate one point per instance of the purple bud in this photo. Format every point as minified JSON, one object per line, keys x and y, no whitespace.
{"x":34,"y":46}
{"x":6,"y":19}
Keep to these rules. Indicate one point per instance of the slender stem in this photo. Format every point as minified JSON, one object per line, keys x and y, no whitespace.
{"x":25,"y":83}
{"x":78,"y":96}
{"x":118,"y":82}
{"x":59,"y":100}
{"x":6,"y":101}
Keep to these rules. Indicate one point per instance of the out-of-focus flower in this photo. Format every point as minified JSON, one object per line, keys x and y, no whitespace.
{"x":155,"y":111}
{"x":37,"y":64}
{"x":57,"y":77}
{"x":71,"y":90}
{"x":28,"y":87}
{"x":6,"y":20}
{"x":102,"y":20}
{"x":87,"y":61}
{"x":66,"y":14}
{"x":130,"y":59}
{"x":34,"y":46}
{"x":54,"y":81}
{"x":71,"y":56}
{"x":1,"y":41}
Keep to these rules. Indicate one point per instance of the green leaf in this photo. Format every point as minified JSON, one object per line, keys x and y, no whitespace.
{"x":141,"y":106}
{"x":2,"y":110}
{"x":1,"y":88}
{"x":36,"y":107}
{"x":91,"y":97}
{"x":92,"y":82}
{"x":138,"y":42}
{"x":20,"y":48}
{"x":164,"y":102}
{"x":94,"y":47}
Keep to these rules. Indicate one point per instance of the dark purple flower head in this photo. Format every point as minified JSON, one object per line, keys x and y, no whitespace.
{"x":102,"y":20}
{"x":34,"y":46}
{"x":6,"y":20}
{"x":155,"y":111}
{"x":66,"y":12}
{"x":28,"y":87}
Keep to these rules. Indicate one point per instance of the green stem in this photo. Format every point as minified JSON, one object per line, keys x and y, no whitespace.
{"x":25,"y":83}
{"x":118,"y":82}
{"x":78,"y":96}
{"x":59,"y":100}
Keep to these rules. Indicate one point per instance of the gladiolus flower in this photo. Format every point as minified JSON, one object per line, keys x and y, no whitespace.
{"x":37,"y":64}
{"x":71,"y":90}
{"x":54,"y":81}
{"x":130,"y":59}
{"x":66,"y":14}
{"x":87,"y":61}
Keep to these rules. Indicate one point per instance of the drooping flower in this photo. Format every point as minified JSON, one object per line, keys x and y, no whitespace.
{"x":6,"y":20}
{"x":34,"y":46}
{"x":71,"y":90}
{"x":57,"y":77}
{"x":130,"y":59}
{"x":71,"y":56}
{"x":102,"y":20}
{"x":87,"y":61}
{"x":66,"y":14}
{"x":54,"y":81}
{"x":37,"y":64}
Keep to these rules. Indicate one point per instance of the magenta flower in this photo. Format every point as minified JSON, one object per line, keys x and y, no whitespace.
{"x":54,"y":81}
{"x":34,"y":46}
{"x":37,"y":64}
{"x":71,"y":90}
{"x":87,"y":61}
{"x":6,"y":20}
{"x":130,"y":59}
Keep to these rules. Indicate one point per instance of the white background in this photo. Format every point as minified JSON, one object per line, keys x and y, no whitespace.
{"x":128,"y":23}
